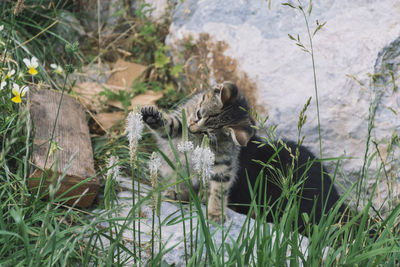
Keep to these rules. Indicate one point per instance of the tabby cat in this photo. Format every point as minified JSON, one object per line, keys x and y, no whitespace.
{"x":221,"y":113}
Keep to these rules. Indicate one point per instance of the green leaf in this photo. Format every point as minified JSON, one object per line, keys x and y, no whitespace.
{"x":161,"y":60}
{"x":288,"y":4}
{"x":140,"y":87}
{"x":291,"y":37}
{"x":176,"y":70}
{"x":319,"y":27}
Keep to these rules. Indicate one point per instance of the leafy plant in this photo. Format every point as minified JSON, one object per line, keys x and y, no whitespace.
{"x":123,"y":96}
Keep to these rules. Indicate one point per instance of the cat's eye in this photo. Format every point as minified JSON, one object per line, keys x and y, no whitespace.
{"x":198,"y":114}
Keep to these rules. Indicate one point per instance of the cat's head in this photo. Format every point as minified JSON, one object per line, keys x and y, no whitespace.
{"x":223,"y":109}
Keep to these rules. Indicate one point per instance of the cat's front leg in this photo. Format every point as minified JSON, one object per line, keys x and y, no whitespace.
{"x":184,"y":194}
{"x":218,"y":200}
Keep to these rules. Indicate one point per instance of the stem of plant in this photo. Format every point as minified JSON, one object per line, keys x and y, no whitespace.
{"x":159,"y":228}
{"x":207,"y":222}
{"x":197,"y":222}
{"x":223,"y":228}
{"x":316,"y":98}
{"x":190,"y":206}
{"x":178,"y":191}
{"x":371,"y":118}
{"x":134,"y":211}
{"x":138,"y":196}
{"x":153,"y":232}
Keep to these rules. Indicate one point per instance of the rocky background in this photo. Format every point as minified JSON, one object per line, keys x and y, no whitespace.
{"x":357,"y":57}
{"x":357,"y":67}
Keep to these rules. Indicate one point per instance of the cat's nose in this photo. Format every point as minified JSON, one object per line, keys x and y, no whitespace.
{"x":193,"y":128}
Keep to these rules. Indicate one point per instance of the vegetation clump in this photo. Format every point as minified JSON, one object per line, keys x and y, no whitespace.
{"x":37,"y":232}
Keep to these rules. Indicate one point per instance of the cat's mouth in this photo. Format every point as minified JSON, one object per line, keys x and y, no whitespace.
{"x":195,"y":129}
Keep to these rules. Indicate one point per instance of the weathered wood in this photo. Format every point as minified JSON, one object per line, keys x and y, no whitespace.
{"x":71,"y":136}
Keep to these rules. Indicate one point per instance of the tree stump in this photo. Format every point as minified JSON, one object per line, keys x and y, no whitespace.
{"x":73,"y":155}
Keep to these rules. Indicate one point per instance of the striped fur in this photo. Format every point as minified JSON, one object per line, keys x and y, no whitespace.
{"x":220,"y":113}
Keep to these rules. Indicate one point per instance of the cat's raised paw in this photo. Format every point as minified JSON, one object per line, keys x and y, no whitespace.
{"x":151,"y":116}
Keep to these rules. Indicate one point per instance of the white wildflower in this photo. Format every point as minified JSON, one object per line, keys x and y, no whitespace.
{"x":10,"y":73}
{"x":2,"y":85}
{"x":1,"y":27}
{"x":203,"y":161}
{"x":185,"y":146}
{"x":134,"y":129}
{"x":32,"y":65}
{"x":57,"y":68}
{"x":113,"y":167}
{"x":19,"y":92}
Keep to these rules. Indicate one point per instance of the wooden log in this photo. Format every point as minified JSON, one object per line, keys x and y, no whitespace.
{"x":71,"y":137}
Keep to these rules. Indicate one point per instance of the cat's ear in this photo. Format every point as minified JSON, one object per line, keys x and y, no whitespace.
{"x":229,"y":92}
{"x":241,"y":135}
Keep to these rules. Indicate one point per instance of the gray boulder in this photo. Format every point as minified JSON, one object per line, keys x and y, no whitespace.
{"x":356,"y":56}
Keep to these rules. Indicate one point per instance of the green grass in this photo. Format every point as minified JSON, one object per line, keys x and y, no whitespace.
{"x":35,"y":232}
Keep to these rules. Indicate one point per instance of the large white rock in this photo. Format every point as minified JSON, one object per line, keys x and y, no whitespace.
{"x":355,"y":40}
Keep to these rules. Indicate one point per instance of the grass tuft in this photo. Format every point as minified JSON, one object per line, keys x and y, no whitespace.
{"x":49,"y":232}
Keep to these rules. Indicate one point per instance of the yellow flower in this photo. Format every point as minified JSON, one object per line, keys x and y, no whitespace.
{"x":32,"y":65}
{"x":9,"y":74}
{"x":18,"y":92}
{"x":2,"y":85}
{"x":57,"y":68}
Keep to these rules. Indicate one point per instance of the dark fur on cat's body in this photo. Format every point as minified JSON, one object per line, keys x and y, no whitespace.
{"x":311,"y":188}
{"x":220,"y":112}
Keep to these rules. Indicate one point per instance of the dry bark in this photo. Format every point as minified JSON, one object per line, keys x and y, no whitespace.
{"x":74,"y":156}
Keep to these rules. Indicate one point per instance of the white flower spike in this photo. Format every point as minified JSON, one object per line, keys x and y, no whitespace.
{"x":203,"y":159}
{"x":113,"y":167}
{"x":134,"y":129}
{"x":154,"y":163}
{"x":32,"y":65}
{"x":1,"y":27}
{"x":18,"y":92}
{"x":185,"y":146}
{"x":57,"y":68}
